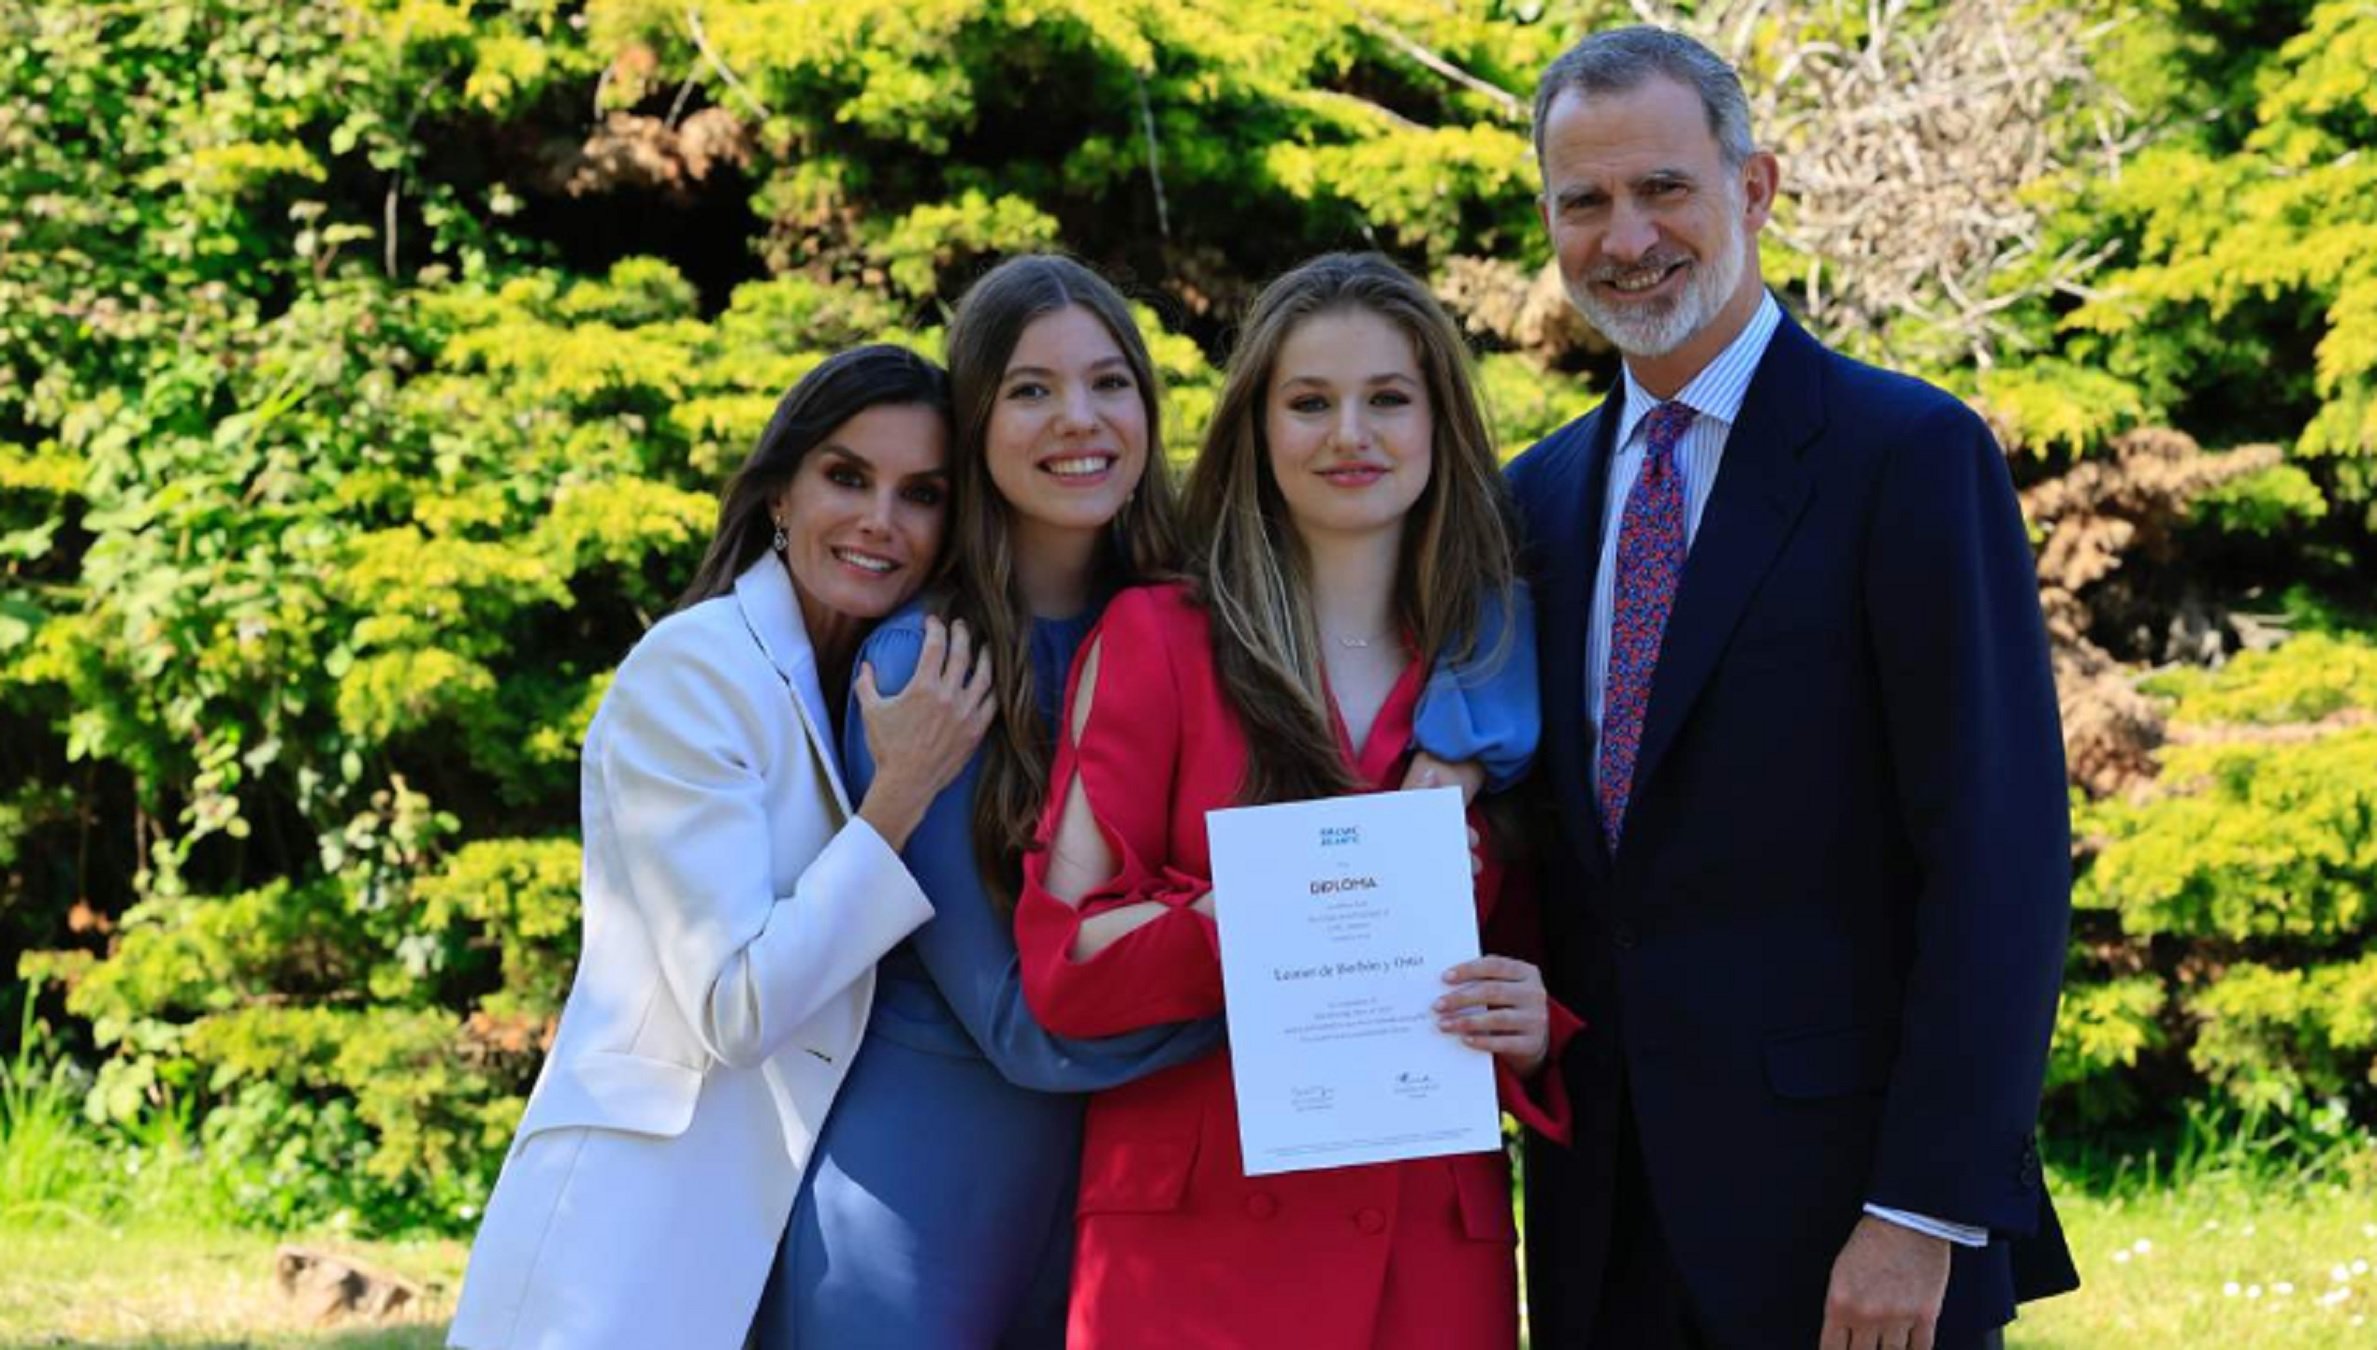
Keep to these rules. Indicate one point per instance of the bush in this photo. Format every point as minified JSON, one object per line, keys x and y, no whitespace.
{"x":2242,"y":889}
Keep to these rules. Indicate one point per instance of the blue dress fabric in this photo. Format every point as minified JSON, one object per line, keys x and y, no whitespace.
{"x":937,"y":1209}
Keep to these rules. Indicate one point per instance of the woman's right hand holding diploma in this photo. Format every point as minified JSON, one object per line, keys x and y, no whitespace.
{"x":1497,"y":1004}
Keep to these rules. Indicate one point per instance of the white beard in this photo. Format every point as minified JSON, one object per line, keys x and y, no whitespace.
{"x":1655,"y":329}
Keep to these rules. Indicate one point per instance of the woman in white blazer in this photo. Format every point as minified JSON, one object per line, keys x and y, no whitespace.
{"x":735,"y":903}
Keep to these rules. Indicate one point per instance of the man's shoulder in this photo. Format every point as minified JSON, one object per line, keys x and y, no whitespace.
{"x":1892,"y":401}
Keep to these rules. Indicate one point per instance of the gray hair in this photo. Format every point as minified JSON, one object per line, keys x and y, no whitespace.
{"x":1621,"y":59}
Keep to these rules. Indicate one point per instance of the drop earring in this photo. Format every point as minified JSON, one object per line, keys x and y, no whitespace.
{"x":776,"y":540}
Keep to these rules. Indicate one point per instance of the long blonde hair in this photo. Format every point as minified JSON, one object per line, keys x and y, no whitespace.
{"x":1250,"y":568}
{"x":1142,"y":544}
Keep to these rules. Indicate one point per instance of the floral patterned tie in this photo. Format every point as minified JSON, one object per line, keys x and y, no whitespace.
{"x":1650,"y":562}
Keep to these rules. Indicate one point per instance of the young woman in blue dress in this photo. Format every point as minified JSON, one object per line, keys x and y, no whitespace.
{"x":938,"y":1210}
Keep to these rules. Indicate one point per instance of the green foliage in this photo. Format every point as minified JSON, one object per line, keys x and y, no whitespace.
{"x":2100,"y":1031}
{"x":2266,"y":503}
{"x":2264,"y":110}
{"x":1526,"y":402}
{"x":2277,"y":1037}
{"x":2252,"y":869}
{"x":56,"y":1168}
{"x":2262,"y":841}
{"x":2061,"y":404}
{"x":2308,"y":678}
{"x":911,"y":137}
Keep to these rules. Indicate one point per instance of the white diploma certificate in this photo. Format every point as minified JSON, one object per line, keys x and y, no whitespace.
{"x":1338,"y":920}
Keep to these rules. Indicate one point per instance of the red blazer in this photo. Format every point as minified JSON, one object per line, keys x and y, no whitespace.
{"x":1177,"y":1246}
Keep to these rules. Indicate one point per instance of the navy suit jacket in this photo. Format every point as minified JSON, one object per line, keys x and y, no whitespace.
{"x":1823,"y":967}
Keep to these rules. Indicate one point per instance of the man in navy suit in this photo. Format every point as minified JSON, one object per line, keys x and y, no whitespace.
{"x":1810,"y":884}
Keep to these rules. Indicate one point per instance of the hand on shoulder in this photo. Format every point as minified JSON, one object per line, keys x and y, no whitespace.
{"x":922,"y":736}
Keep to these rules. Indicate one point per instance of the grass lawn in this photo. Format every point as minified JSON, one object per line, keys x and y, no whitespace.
{"x":2217,"y":1265}
{"x":155,"y":1288}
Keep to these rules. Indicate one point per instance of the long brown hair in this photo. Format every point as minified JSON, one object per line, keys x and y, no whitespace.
{"x":1143,"y":543}
{"x":840,"y":388}
{"x":1251,"y":570}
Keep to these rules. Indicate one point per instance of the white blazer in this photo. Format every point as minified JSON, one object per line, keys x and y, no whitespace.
{"x":734,"y":912}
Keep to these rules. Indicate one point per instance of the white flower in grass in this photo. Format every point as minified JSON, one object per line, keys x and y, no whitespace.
{"x":2253,"y":1291}
{"x":2142,"y":1246}
{"x":2283,"y":1288}
{"x":2360,"y":1267}
{"x":2232,"y":1289}
{"x":2121,"y":1256}
{"x":2339,"y":1273}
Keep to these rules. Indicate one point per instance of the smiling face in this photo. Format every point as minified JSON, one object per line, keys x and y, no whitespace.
{"x":1348,"y":423}
{"x":1067,"y":439}
{"x":1653,"y":232}
{"x":863,"y":514}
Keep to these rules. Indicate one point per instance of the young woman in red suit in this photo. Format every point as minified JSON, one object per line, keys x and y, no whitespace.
{"x":1353,"y":527}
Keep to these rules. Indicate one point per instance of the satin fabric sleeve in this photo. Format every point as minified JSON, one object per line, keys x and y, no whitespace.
{"x":969,"y":946}
{"x":689,"y":750}
{"x":1126,"y":757}
{"x":1485,"y":708}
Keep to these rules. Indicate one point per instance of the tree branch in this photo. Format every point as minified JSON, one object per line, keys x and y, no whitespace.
{"x":701,"y":40}
{"x":1508,"y":102}
{"x":1155,"y":168}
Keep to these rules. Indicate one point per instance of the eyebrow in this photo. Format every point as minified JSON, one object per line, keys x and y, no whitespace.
{"x":847,"y":455}
{"x":1383,"y":377}
{"x":1574,"y":193}
{"x":1044,"y":372}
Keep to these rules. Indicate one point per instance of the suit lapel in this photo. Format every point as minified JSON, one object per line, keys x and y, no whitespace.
{"x":1760,"y":491}
{"x":773,"y":613}
{"x":1569,"y":520}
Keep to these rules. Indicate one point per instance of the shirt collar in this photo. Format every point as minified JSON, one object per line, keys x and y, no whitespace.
{"x":1716,"y":393}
